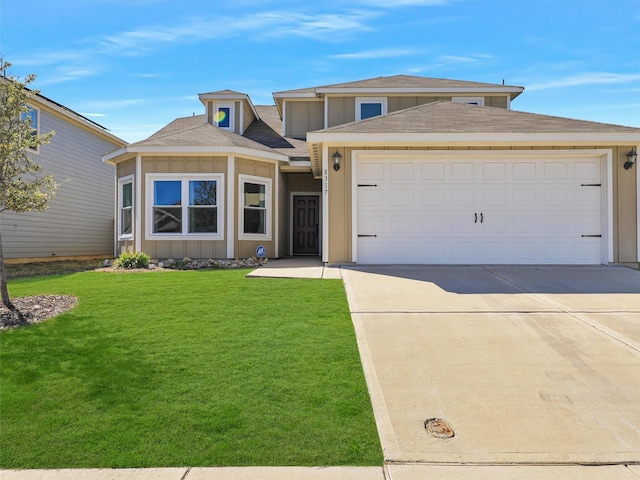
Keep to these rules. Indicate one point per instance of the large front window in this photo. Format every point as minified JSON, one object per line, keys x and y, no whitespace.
{"x":255,"y":208}
{"x":185,"y":206}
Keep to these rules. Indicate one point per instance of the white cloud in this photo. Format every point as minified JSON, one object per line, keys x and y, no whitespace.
{"x":95,"y":115}
{"x":586,"y":78}
{"x":381,"y":53}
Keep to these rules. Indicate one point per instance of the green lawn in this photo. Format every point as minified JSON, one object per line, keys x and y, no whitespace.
{"x":196,"y":368}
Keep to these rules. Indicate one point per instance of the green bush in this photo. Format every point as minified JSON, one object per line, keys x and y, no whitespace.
{"x":132,"y":260}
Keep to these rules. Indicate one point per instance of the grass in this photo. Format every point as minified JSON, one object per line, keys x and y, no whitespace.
{"x":203,"y":368}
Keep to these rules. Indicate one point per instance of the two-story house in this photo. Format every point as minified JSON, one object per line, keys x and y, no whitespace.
{"x":78,"y":222}
{"x":397,"y":169}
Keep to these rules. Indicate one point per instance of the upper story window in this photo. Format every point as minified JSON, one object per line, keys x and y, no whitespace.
{"x":185,"y":206}
{"x":32,"y":115}
{"x":469,"y":100}
{"x":223,"y":116}
{"x":367,"y":107}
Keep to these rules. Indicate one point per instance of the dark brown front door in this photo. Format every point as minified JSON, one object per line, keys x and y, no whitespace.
{"x":306,"y":224}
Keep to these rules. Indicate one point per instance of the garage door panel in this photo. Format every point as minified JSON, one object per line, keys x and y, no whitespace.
{"x":480,"y":211}
{"x":433,"y":197}
{"x":402,"y":171}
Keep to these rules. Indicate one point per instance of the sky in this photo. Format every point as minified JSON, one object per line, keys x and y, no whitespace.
{"x":133,"y":66}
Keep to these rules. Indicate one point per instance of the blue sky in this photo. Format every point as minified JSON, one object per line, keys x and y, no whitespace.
{"x":135,"y":65}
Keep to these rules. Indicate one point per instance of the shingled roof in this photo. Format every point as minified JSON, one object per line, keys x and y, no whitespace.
{"x":449,"y":117}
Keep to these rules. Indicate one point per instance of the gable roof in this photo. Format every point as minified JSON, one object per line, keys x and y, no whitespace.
{"x":449,"y":117}
{"x":399,"y":84}
{"x":448,"y":124}
{"x":194,"y":135}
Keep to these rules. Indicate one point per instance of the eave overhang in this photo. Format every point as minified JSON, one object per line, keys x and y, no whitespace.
{"x":318,"y":140}
{"x":116,"y":156}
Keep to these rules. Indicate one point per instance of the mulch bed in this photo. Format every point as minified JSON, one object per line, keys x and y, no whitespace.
{"x":36,"y":309}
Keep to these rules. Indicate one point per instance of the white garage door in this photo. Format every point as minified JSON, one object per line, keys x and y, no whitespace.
{"x":497,"y":210}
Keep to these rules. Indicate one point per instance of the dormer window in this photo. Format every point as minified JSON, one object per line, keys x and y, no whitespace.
{"x":367,"y":107}
{"x":223,"y":116}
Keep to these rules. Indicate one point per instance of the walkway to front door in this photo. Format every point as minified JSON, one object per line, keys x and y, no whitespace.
{"x":306,"y":224}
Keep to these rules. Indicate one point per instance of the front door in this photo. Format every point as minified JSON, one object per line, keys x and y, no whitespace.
{"x":306,"y":225}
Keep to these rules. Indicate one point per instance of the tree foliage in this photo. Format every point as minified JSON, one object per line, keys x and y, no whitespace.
{"x":23,"y":187}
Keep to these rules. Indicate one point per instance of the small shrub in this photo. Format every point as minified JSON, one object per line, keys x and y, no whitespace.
{"x":132,"y":260}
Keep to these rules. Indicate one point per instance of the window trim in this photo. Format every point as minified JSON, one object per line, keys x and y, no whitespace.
{"x":122,"y":181}
{"x":232,"y":115}
{"x":479,"y":101}
{"x":184,"y":178}
{"x":267,"y":182}
{"x":360,"y":100}
{"x":35,"y":150}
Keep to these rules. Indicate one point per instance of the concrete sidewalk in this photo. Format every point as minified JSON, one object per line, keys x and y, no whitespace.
{"x":296,"y":267}
{"x":213,"y":473}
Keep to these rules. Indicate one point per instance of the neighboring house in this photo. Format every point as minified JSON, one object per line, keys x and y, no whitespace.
{"x":388,"y":170}
{"x":79,"y":220}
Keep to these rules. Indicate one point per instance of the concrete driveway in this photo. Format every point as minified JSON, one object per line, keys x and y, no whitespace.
{"x":528,"y":365}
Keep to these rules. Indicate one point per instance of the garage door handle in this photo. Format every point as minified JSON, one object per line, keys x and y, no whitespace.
{"x":481,"y":217}
{"x":359,"y":235}
{"x":476,"y":218}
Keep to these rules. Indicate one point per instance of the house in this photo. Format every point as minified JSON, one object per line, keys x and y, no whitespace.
{"x":79,"y":220}
{"x":399,"y":169}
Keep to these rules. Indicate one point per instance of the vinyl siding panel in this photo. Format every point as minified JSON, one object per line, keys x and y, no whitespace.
{"x":247,"y":248}
{"x":179,"y":249}
{"x":341,"y":110}
{"x":79,"y":220}
{"x":303,"y":117}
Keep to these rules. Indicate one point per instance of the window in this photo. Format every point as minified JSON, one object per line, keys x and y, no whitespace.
{"x":186,"y":206}
{"x":255,"y":208}
{"x":367,"y":107}
{"x":224,"y":116}
{"x":125,"y":208}
{"x":469,"y":100}
{"x":32,"y":116}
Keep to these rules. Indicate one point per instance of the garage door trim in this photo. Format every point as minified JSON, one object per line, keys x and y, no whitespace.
{"x":606,"y":156}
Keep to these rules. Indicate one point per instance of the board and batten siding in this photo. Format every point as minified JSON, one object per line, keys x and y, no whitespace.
{"x":79,"y":220}
{"x":180,"y":248}
{"x":302,"y":117}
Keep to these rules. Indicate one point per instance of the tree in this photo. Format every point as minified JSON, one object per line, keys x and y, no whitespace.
{"x":22,"y":186}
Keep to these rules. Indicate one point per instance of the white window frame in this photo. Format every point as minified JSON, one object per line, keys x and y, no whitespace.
{"x":267,"y":182}
{"x":232,"y":115}
{"x":129,"y":179}
{"x":360,"y":100}
{"x":150,"y":178}
{"x":469,"y":100}
{"x":35,"y":150}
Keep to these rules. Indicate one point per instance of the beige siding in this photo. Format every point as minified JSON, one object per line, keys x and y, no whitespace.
{"x":79,"y":220}
{"x":247,"y":248}
{"x":625,"y":214}
{"x":248,"y":116}
{"x":625,"y":209}
{"x":340,"y":211}
{"x":499,"y":102}
{"x":303,"y":117}
{"x":237,"y":107}
{"x":341,"y":110}
{"x":178,"y":249}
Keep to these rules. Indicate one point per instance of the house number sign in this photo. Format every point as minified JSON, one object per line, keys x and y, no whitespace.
{"x":325,"y":179}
